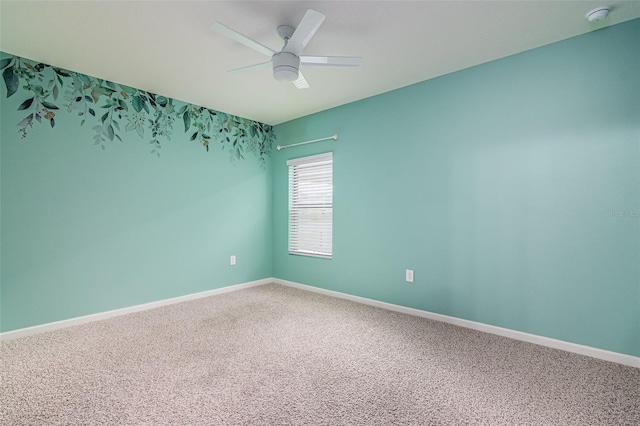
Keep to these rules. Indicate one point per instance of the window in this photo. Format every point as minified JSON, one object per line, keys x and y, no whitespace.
{"x":311,"y":205}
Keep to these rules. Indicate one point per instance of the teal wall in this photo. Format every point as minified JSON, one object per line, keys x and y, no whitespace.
{"x":86,"y":230}
{"x":511,"y":188}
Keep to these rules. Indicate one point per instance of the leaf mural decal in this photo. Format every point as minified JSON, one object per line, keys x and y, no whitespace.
{"x":26,"y":104}
{"x":49,"y":105}
{"x":47,"y":91}
{"x":162,"y":101}
{"x":136,"y":102}
{"x":5,"y":63}
{"x":187,"y":121}
{"x":11,"y":80}
{"x":109,"y":131}
{"x":26,"y":121}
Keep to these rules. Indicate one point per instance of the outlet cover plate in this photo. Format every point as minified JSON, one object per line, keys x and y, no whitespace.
{"x":408,"y":275}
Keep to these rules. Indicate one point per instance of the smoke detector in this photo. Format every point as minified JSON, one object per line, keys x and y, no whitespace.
{"x":598,"y":14}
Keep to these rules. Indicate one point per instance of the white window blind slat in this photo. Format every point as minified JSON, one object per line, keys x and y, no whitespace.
{"x":311,"y":205}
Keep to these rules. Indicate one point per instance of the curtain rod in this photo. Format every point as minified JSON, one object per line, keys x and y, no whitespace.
{"x":334,"y":137}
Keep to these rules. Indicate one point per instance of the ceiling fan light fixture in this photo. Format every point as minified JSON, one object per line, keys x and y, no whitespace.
{"x":286,"y":63}
{"x":285,"y":73}
{"x":285,"y":66}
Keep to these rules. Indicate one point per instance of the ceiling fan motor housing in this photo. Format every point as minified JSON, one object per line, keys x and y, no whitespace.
{"x":285,"y":66}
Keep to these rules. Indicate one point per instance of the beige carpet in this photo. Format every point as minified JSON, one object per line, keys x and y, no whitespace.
{"x":273,"y":355}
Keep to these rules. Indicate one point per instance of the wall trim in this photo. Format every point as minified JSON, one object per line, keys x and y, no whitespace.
{"x":602,"y":354}
{"x":629,"y":360}
{"x":36,"y":329}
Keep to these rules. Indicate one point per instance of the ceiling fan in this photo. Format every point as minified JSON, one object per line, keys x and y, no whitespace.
{"x":286,"y":63}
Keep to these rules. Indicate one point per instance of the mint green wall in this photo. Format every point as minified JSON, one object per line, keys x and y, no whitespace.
{"x":511,"y":188}
{"x":493,"y":184}
{"x":86,"y":230}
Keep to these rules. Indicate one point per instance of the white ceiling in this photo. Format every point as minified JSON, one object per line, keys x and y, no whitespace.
{"x":168,"y":47}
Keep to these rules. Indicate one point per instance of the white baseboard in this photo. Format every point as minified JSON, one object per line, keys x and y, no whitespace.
{"x":23,"y":332}
{"x":616,"y":357}
{"x":619,"y":358}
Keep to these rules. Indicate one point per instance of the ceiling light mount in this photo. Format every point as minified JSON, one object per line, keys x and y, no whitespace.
{"x":285,"y":31}
{"x":598,"y":14}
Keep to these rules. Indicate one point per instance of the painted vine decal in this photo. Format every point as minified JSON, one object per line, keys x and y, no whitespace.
{"x":113,"y":109}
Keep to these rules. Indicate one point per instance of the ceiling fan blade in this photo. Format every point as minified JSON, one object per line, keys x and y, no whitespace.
{"x":253,"y":67}
{"x":331,"y":61}
{"x":310,"y":23}
{"x":242,"y":39}
{"x":301,"y":82}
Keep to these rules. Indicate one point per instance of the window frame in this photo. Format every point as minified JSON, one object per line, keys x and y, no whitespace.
{"x":305,"y":203}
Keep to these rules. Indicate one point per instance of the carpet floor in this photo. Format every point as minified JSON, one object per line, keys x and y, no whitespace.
{"x":273,"y":355}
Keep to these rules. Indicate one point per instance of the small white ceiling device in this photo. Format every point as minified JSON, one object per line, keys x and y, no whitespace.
{"x":286,"y":63}
{"x":598,"y":14}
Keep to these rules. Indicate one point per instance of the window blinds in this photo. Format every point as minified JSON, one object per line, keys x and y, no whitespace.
{"x":311,"y":205}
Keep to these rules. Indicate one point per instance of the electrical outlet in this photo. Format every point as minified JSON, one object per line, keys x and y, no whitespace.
{"x":232,"y":260}
{"x":408,"y":275}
